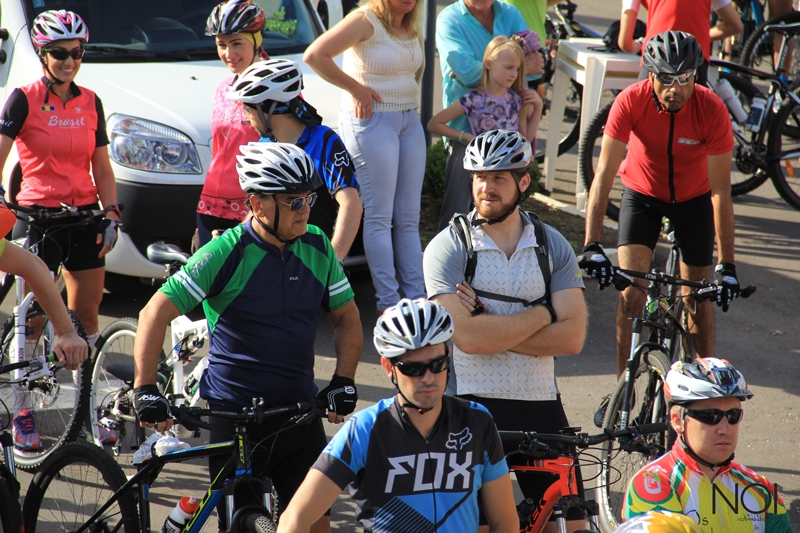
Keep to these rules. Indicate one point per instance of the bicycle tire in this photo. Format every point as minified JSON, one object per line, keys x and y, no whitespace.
{"x":758,"y":49}
{"x":258,"y":523}
{"x":60,"y":402}
{"x":72,"y":484}
{"x":611,"y":489}
{"x":10,"y":514}
{"x":745,"y":178}
{"x":784,"y":137}
{"x":570,"y":126}
{"x":589,"y":153}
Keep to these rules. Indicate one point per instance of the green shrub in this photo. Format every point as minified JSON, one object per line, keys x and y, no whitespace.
{"x":279,"y":25}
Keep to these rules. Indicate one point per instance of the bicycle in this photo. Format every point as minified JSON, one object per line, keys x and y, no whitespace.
{"x":71,"y":491}
{"x":111,"y":398}
{"x":61,"y":396}
{"x":561,"y":461}
{"x":758,"y":51}
{"x":659,"y":338}
{"x":10,"y":510}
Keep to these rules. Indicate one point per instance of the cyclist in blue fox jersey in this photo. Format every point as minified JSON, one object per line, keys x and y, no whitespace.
{"x":417,"y":461}
{"x":262,"y":285}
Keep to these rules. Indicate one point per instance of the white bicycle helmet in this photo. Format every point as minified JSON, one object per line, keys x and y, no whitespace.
{"x":498,"y":150}
{"x":659,"y":522}
{"x":275,"y":79}
{"x":411,"y":325}
{"x":704,"y":379}
{"x":51,"y":26}
{"x":270,"y":168}
{"x":236,"y":16}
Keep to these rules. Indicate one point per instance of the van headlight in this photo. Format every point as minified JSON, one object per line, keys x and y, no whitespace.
{"x":145,"y":145}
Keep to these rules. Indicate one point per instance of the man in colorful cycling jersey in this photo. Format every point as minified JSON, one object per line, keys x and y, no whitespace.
{"x":270,"y":92}
{"x":419,"y":460}
{"x":262,"y":285}
{"x":698,"y":477}
{"x":678,"y":166}
{"x":504,"y":357}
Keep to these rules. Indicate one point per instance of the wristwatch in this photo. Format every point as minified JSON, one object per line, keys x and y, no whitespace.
{"x":553,"y":317}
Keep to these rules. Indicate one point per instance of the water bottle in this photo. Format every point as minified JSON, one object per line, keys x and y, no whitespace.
{"x":757,"y":107}
{"x":180,"y":515}
{"x":725,"y":92}
{"x":193,"y":383}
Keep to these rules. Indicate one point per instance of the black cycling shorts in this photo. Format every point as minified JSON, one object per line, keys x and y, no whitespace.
{"x":285,"y":461}
{"x":59,"y":242}
{"x":544,"y":417}
{"x":640,"y":223}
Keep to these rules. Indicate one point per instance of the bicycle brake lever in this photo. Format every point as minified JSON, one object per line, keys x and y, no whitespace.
{"x":747,"y":291}
{"x":39,"y":369}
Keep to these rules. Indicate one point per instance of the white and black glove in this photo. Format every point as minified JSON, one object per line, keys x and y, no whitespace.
{"x":151,"y":406}
{"x":596,"y":264}
{"x":107,"y":232}
{"x":728,"y":290}
{"x":340,"y":396}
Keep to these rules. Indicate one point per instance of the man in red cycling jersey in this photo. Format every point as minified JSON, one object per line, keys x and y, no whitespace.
{"x":678,"y":166}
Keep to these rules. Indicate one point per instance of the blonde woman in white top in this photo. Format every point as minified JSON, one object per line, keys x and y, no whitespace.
{"x":381,"y":129}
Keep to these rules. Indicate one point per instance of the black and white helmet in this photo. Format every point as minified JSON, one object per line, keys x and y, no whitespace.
{"x":704,"y":379}
{"x":498,"y":150}
{"x":276,"y":168}
{"x":411,"y":325}
{"x":275,"y":79}
{"x":236,"y":16}
{"x":672,"y":52}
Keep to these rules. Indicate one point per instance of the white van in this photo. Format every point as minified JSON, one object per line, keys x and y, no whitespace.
{"x":156,"y":72}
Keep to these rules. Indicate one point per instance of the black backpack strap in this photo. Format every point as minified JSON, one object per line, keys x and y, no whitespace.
{"x":460,"y":223}
{"x":543,"y":251}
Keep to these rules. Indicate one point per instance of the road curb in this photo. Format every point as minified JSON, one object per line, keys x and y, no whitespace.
{"x":561,"y":206}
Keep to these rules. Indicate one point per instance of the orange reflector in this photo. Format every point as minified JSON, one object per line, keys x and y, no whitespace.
{"x":789,"y":169}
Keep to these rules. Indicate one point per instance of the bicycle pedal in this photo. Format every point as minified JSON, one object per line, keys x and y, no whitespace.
{"x":600,"y":414}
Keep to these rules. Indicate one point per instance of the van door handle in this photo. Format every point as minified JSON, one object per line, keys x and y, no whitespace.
{"x":3,"y":37}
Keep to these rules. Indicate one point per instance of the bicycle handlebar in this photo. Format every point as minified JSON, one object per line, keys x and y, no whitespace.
{"x":531,"y":442}
{"x":189,"y":416}
{"x":706,"y":290}
{"x":46,"y":213}
{"x":36,"y":363}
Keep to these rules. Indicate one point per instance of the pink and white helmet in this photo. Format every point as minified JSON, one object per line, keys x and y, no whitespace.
{"x":51,"y":26}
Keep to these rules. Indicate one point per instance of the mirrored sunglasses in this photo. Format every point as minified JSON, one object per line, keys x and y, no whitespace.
{"x":668,"y":79}
{"x":59,"y":54}
{"x":416,"y":370}
{"x":712,"y":417}
{"x":296,"y":204}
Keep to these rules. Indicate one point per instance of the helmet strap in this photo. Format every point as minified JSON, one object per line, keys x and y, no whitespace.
{"x":408,"y":403}
{"x":274,"y":230}
{"x":501,"y":218}
{"x":691,"y":453}
{"x":267,"y":120}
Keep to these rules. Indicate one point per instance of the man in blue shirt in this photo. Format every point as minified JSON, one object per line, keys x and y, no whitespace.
{"x":463,"y":30}
{"x":418,"y":461}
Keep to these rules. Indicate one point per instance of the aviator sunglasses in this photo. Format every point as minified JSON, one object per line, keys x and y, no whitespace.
{"x":59,"y":54}
{"x":296,"y":204}
{"x":668,"y":79}
{"x":417,"y":370}
{"x":712,"y":417}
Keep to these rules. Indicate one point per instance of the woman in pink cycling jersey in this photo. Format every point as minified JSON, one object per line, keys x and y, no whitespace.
{"x":236,"y":25}
{"x":60,"y":134}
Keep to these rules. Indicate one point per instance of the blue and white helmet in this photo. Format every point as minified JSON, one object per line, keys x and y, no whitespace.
{"x":704,"y":379}
{"x":411,"y":325}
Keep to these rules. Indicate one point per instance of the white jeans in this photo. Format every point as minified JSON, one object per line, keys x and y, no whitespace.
{"x":389,"y":152}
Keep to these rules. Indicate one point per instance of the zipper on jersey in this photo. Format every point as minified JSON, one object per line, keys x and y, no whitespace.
{"x":670,"y":159}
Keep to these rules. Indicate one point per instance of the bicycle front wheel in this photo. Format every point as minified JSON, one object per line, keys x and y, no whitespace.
{"x":71,"y":486}
{"x":589,"y":155}
{"x":10,"y":517}
{"x":783,"y":152}
{"x":58,"y":403}
{"x":620,"y":462}
{"x":758,"y":51}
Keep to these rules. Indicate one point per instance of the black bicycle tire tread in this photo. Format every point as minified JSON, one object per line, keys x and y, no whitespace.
{"x":29,"y":462}
{"x":87,"y":453}
{"x":746,"y":57}
{"x":606,"y":524}
{"x":789,"y":195}
{"x":10,"y":514}
{"x":586,"y":153}
{"x":571,"y":139}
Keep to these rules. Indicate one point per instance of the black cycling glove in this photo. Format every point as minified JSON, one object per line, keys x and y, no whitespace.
{"x":151,"y":406}
{"x":596,"y":264}
{"x":340,"y":396}
{"x":107,"y":231}
{"x":728,"y":290}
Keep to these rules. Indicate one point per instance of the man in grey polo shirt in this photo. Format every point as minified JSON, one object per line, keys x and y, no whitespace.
{"x":503,"y":356}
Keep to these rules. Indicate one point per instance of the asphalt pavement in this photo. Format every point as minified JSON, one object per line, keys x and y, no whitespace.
{"x":760,"y":336}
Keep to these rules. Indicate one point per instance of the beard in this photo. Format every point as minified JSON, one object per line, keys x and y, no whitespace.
{"x":493,"y":211}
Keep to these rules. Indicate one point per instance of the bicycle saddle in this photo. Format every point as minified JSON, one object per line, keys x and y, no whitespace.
{"x":163,"y":253}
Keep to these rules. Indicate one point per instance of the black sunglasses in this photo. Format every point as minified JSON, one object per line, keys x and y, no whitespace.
{"x":417,"y":370}
{"x":296,"y":204}
{"x":712,"y":417}
{"x":59,"y":54}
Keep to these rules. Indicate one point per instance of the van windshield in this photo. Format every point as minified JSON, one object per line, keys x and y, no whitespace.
{"x":169,"y":30}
